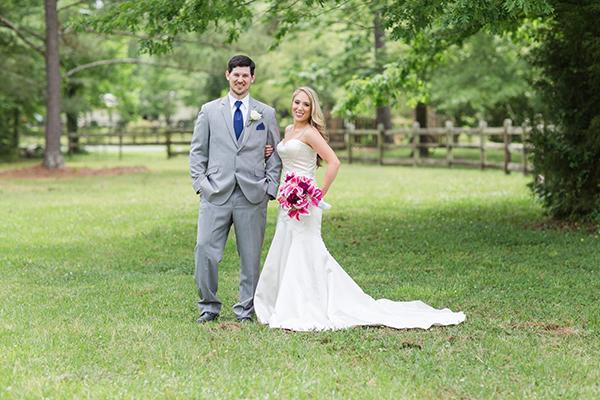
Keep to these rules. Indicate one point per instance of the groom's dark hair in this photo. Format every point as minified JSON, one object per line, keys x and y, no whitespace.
{"x":241,"y":61}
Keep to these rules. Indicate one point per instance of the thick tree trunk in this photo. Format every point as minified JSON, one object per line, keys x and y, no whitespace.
{"x":421,"y":117}
{"x":52,"y":155}
{"x":384,"y":115}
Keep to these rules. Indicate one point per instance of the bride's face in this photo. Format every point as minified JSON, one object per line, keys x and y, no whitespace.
{"x":301,"y":107}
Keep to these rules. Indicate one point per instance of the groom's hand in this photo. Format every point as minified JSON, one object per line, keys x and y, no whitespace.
{"x":268,"y":151}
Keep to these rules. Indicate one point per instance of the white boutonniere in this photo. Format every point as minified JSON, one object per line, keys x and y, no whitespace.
{"x":255,"y":115}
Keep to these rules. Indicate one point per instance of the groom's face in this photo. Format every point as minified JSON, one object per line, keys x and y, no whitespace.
{"x":240,"y":79}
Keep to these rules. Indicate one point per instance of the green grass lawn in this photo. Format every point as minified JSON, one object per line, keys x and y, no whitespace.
{"x":98,"y":298}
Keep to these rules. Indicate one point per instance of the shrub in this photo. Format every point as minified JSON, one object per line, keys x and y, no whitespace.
{"x":567,"y":158}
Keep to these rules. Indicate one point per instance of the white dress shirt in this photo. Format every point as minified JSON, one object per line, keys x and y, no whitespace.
{"x":244,"y":108}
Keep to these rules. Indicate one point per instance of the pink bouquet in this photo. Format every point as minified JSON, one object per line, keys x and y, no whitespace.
{"x":297,"y":193}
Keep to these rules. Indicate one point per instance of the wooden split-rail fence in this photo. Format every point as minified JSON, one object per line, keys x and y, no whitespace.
{"x":504,"y":147}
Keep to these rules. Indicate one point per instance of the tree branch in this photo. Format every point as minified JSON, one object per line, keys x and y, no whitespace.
{"x":27,"y":31}
{"x":20,"y":34}
{"x":100,"y":63}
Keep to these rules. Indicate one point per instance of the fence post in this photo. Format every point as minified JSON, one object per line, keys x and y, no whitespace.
{"x":381,"y":141}
{"x":524,"y":139}
{"x":348,"y":136}
{"x":415,"y":143}
{"x":507,"y":140}
{"x":168,"y":136}
{"x":449,"y":143}
{"x":482,"y":126}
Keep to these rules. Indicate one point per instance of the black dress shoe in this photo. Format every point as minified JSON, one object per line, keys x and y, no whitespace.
{"x":207,"y":317}
{"x":245,"y":320}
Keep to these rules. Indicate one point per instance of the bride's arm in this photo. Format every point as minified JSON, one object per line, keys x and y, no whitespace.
{"x":316,"y":141}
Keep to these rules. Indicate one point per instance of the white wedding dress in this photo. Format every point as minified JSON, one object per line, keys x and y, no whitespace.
{"x":303,"y":288}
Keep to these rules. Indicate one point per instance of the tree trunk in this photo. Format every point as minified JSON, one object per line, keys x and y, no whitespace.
{"x":52,"y":155}
{"x":72,"y":132}
{"x":72,"y":117}
{"x":421,"y":117}
{"x":384,"y":115}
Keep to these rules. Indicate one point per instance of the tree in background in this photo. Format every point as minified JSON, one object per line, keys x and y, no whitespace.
{"x":567,"y":158}
{"x":425,"y":32}
{"x":86,"y":80}
{"x":87,"y":66}
{"x":23,"y":23}
{"x":52,"y":155}
{"x":487,"y":77}
{"x":360,"y":22}
{"x":22,"y":65}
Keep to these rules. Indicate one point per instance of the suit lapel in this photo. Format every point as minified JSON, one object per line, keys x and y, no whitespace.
{"x":249,"y":125}
{"x":226,"y":111}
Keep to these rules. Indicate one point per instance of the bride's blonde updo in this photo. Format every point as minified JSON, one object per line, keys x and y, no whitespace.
{"x":316,"y":114}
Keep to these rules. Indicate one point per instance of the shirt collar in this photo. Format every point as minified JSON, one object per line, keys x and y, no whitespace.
{"x":245,"y":101}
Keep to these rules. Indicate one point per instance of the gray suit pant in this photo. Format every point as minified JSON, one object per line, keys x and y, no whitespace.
{"x":214,"y":223}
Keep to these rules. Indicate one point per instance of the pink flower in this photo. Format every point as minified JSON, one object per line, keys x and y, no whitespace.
{"x":297,"y":194}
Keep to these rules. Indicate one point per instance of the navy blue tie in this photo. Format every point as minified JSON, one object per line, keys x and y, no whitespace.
{"x":238,"y":120}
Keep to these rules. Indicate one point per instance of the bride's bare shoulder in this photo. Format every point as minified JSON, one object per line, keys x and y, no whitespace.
{"x":312,"y":134}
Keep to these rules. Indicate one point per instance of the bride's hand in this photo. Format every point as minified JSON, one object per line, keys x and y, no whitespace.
{"x":268,"y":151}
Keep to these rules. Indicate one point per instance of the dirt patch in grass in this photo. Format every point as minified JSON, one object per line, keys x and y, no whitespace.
{"x":229,"y":326}
{"x":547,"y":328}
{"x":39,"y":172}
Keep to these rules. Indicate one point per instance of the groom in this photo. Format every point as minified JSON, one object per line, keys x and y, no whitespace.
{"x":235,"y":182}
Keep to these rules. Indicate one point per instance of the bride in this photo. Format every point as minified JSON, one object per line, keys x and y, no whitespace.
{"x":301,"y":286}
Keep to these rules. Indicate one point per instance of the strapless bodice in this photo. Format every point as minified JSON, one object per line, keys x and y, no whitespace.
{"x":298,"y":157}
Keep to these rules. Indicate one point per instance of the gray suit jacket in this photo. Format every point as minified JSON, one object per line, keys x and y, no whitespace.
{"x":218,"y":160}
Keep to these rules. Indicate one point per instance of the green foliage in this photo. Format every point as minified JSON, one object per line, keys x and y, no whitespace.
{"x":98,"y":296}
{"x":422,"y":32}
{"x":83,"y":90}
{"x":383,"y":88}
{"x":430,"y":29}
{"x":567,"y":158}
{"x":164,"y":20}
{"x":22,"y":86}
{"x":308,"y":57}
{"x":489,"y":78}
{"x":22,"y":95}
{"x":8,"y":140}
{"x":449,"y":22}
{"x":476,"y":50}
